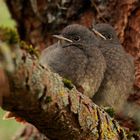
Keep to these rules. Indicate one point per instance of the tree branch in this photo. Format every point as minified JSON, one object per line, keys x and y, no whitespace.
{"x":40,"y":97}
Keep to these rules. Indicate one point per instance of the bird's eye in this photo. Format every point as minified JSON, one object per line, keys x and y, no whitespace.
{"x":76,"y":38}
{"x":109,"y":37}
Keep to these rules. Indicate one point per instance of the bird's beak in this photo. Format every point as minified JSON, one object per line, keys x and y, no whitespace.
{"x":60,"y":37}
{"x":98,"y":33}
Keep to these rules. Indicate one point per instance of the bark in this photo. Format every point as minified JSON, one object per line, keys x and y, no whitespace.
{"x":39,"y":97}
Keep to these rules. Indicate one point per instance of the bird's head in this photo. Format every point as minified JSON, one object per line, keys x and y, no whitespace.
{"x":76,"y":34}
{"x":105,"y":32}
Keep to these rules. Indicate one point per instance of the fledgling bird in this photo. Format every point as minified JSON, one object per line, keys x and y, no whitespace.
{"x":76,"y":57}
{"x":119,"y":76}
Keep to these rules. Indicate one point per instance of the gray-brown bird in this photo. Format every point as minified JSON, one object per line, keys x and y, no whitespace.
{"x":119,"y":76}
{"x":76,"y":56}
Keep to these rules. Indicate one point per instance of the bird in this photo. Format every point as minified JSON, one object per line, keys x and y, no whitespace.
{"x":73,"y":57}
{"x":119,"y":76}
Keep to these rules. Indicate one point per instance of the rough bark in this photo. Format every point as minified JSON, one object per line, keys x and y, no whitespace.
{"x":39,"y":97}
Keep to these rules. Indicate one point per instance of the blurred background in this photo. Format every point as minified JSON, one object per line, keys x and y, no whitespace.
{"x":7,"y":127}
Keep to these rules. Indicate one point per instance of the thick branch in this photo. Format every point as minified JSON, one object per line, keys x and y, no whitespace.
{"x":39,"y":96}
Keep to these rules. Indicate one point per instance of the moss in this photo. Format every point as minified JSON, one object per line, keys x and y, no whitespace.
{"x":9,"y":35}
{"x":67,"y":83}
{"x":48,"y":99}
{"x":29,"y":48}
{"x":110,"y":111}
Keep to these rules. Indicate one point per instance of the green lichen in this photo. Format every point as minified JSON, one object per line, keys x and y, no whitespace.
{"x":9,"y":35}
{"x":110,"y":111}
{"x":29,"y":48}
{"x":48,"y":99}
{"x":67,"y":83}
